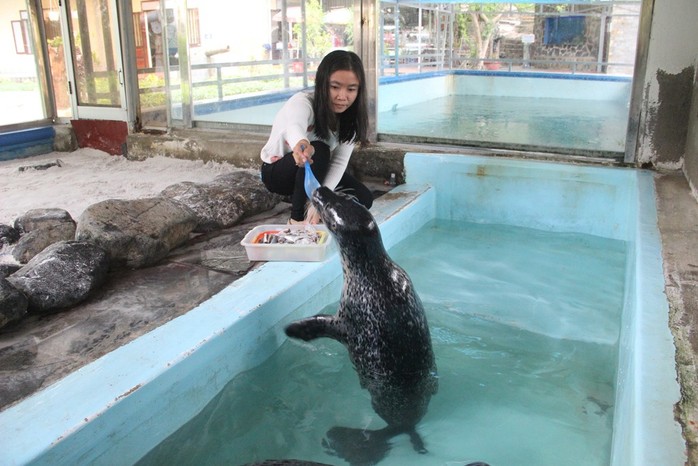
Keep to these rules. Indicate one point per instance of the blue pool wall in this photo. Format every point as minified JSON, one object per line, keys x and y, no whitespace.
{"x":401,"y":91}
{"x":546,"y":196}
{"x":116,"y":409}
{"x":26,"y":142}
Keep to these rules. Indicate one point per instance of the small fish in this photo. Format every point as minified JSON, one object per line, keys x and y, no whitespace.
{"x":307,"y":235}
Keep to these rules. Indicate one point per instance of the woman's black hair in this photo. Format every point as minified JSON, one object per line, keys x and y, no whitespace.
{"x":352,"y":124}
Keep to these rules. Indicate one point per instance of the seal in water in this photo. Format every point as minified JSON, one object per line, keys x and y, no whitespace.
{"x":382,"y":323}
{"x":287,"y":463}
{"x":312,"y":463}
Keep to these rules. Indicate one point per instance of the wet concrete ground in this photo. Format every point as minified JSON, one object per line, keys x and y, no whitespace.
{"x":677,"y":213}
{"x":41,"y":350}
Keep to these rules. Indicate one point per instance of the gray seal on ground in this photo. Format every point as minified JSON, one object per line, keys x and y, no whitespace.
{"x":382,"y":323}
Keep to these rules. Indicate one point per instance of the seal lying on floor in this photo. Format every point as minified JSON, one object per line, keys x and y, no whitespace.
{"x":382,"y":323}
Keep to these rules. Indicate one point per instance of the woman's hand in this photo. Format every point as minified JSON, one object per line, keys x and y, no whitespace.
{"x":312,"y":216}
{"x":303,"y":151}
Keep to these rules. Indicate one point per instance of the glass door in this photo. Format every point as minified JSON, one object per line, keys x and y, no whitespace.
{"x":96,"y":70}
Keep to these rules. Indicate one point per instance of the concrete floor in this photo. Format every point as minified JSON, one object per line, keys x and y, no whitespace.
{"x":677,"y":212}
{"x":40,"y":351}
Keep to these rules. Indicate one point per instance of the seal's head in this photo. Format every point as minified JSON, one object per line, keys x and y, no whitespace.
{"x":352,"y":225}
{"x":343,"y":215}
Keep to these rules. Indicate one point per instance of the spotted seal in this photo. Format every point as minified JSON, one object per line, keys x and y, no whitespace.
{"x":383,"y":325}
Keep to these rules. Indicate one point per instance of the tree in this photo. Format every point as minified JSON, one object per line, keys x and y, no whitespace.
{"x":479,"y":22}
{"x":318,"y":39}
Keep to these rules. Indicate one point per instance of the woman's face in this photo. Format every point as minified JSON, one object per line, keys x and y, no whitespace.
{"x":344,"y":88}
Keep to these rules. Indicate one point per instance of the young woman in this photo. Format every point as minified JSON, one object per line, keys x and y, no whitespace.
{"x":322,"y":128}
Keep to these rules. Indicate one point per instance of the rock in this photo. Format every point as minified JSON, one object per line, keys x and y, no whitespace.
{"x":32,"y":243}
{"x":7,"y":269}
{"x":61,"y":276}
{"x":41,"y":228}
{"x":43,"y":166}
{"x":136,"y":233}
{"x":224,"y":201}
{"x":8,"y":235}
{"x":42,"y":218}
{"x":13,"y":303}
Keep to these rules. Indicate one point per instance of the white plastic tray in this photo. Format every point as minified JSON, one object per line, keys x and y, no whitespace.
{"x":286,"y":252}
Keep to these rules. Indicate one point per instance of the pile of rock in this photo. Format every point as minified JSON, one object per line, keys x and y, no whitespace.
{"x":60,"y":262}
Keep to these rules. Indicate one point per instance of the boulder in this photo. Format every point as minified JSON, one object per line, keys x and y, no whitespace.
{"x":42,"y":218}
{"x":136,"y":233}
{"x":13,"y":303}
{"x":61,"y":276}
{"x":7,"y":269}
{"x":8,"y":235}
{"x":224,"y":201}
{"x":40,"y":228}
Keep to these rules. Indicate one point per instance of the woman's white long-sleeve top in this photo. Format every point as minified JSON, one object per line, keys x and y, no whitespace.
{"x":296,"y":121}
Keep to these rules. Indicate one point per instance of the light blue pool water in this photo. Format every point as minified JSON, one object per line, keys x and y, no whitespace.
{"x":578,"y":114}
{"x":511,"y":122}
{"x":117,"y":409}
{"x":581,"y":114}
{"x":526,"y":351}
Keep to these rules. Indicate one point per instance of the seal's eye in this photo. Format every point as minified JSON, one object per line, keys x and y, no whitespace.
{"x":334,"y":220}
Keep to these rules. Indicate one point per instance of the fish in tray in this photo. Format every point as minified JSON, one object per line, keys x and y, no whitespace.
{"x":307,"y":235}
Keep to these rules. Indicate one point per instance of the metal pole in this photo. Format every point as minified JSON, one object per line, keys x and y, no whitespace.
{"x":185,"y":84}
{"x":636,"y":94}
{"x":367,"y":50}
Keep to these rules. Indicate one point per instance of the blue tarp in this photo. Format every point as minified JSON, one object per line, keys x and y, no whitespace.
{"x":563,"y":29}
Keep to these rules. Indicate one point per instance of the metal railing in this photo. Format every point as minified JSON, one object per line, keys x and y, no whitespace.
{"x":278,"y":73}
{"x":219,"y":75}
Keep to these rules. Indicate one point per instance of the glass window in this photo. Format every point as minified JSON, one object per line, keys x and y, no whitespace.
{"x":20,"y":91}
{"x":549,"y":77}
{"x":485,"y":74}
{"x":56,"y":56}
{"x":245,"y":58}
{"x":94,"y":54}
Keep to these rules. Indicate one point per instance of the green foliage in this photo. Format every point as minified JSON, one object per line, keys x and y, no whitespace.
{"x":462,"y":26}
{"x":153,"y":93}
{"x":55,"y":42}
{"x":8,"y":85}
{"x":318,"y":39}
{"x":525,"y":7}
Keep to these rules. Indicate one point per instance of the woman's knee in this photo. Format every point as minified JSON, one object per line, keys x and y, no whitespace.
{"x":279,"y":177}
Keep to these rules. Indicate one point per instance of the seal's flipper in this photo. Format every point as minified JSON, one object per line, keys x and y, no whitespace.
{"x":358,"y":446}
{"x":417,"y":442}
{"x":314,"y":327}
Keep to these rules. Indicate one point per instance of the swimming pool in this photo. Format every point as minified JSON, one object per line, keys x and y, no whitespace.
{"x":575,"y":114}
{"x":117,"y":408}
{"x":578,"y":114}
{"x":526,"y":353}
